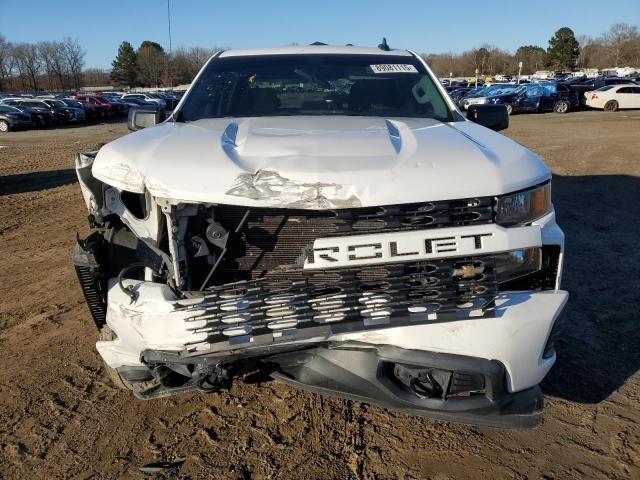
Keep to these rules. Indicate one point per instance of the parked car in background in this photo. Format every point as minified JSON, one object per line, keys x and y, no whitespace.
{"x":537,"y":97}
{"x":61,"y":113}
{"x":104,"y":102}
{"x":480,"y":96}
{"x":147,"y":97}
{"x":136,"y":102}
{"x":89,"y":110}
{"x":13,"y":101}
{"x":102,"y":110}
{"x":585,"y":87}
{"x":614,"y":97}
{"x":604,"y":81}
{"x":119,"y":106}
{"x":40,"y":117}
{"x":13,"y":119}
{"x":76,"y":113}
{"x":468,"y":92}
{"x":172,"y":99}
{"x":458,"y":93}
{"x":113,"y":94}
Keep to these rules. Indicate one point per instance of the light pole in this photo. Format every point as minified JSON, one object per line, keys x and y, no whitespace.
{"x":477,"y":77}
{"x":170,"y":46}
{"x":519,"y":71}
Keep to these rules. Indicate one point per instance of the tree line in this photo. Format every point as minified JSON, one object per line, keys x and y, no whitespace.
{"x":617,"y":47}
{"x":42,"y":65}
{"x":151,"y":66}
{"x":59,"y":65}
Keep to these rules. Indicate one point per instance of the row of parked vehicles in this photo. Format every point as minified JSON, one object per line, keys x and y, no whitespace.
{"x":21,"y":112}
{"x":608,"y":93}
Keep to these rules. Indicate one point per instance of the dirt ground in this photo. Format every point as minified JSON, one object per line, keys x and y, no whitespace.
{"x":60,"y":417}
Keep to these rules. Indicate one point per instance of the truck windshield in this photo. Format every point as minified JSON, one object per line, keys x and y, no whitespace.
{"x":314,"y":84}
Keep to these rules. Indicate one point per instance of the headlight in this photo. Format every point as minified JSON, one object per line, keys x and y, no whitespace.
{"x":524,"y":207}
{"x":517,"y":263}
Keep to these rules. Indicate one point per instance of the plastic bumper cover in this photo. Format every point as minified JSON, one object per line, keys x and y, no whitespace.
{"x":515,"y":335}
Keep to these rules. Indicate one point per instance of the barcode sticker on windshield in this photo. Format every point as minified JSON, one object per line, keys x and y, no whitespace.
{"x":393,"y":68}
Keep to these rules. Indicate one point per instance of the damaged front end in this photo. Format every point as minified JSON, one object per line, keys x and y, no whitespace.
{"x":194,"y":295}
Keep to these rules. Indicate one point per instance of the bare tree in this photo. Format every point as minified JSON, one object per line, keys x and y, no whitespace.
{"x":186,"y":63}
{"x":481,"y":58}
{"x":96,"y":77}
{"x":5,"y":62}
{"x":27,"y":62}
{"x":198,"y":56}
{"x":620,"y":38}
{"x":74,"y":60}
{"x":53,"y":58}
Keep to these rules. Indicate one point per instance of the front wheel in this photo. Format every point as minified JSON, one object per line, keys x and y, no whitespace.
{"x":4,"y":126}
{"x":611,"y":106}
{"x":509,"y":108}
{"x":561,"y":106}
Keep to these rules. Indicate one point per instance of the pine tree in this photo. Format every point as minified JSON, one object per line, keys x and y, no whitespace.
{"x":563,"y":50}
{"x":124,"y":72}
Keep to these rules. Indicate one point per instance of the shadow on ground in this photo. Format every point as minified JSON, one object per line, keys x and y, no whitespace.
{"x":33,"y":181}
{"x":599,"y":342}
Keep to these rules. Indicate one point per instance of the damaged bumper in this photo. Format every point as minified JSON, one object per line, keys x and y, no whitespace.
{"x":474,"y":370}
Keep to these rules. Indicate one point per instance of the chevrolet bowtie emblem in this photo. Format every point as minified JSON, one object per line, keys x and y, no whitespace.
{"x":468,"y":271}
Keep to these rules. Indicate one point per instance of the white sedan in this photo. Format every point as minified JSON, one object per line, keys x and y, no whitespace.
{"x":613,"y":97}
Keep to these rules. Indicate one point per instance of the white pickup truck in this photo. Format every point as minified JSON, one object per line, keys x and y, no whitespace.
{"x":325,"y":216}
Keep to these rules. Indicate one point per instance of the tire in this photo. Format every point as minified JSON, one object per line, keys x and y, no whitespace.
{"x":611,"y":106}
{"x":4,"y":126}
{"x":561,"y":106}
{"x":509,"y":108}
{"x":106,"y":334}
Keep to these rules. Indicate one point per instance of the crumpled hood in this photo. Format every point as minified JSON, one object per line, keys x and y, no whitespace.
{"x":317,"y":162}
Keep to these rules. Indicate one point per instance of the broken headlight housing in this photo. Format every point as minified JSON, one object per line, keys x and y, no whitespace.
{"x":517,"y":263}
{"x":524,"y":207}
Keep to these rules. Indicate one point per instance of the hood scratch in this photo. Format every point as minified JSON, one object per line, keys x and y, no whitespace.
{"x":269,"y":185}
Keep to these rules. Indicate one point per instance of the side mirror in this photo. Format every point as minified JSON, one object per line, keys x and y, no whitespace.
{"x":494,"y":117}
{"x":140,"y":118}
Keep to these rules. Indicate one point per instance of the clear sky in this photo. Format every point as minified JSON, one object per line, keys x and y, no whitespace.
{"x":424,"y":26}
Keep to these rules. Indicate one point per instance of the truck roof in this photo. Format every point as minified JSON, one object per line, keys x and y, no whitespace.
{"x":311,"y":49}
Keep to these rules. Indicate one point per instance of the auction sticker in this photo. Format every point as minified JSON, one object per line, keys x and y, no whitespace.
{"x":393,"y":68}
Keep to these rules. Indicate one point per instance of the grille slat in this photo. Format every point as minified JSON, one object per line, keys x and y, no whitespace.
{"x":370,"y":296}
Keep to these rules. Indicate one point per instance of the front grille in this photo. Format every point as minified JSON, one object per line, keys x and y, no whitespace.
{"x":288,"y":303}
{"x":272,"y":238}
